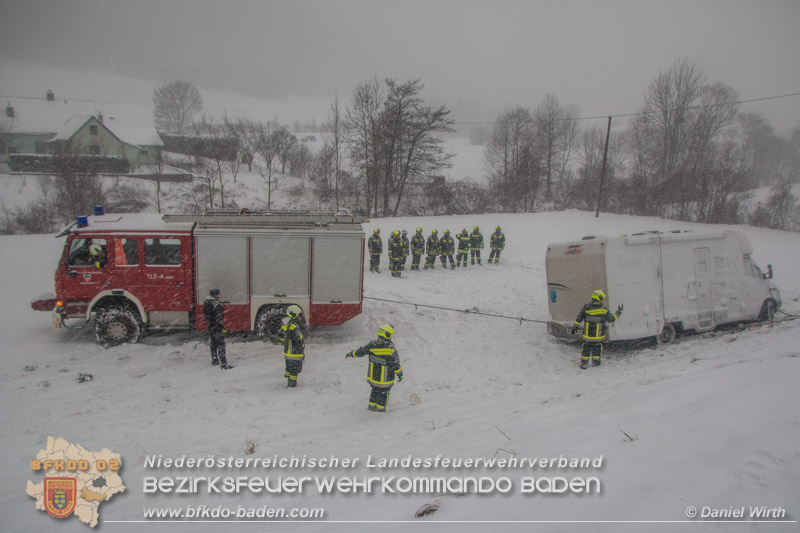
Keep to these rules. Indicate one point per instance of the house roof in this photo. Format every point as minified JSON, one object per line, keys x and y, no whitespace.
{"x":131,"y":123}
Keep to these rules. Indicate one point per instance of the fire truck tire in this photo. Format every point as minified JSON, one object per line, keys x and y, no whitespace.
{"x":117,"y":325}
{"x":268,"y":324}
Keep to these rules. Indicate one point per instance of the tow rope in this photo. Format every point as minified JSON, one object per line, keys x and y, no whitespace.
{"x":467,"y":311}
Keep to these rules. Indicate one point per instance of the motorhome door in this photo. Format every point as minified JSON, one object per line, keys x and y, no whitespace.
{"x":702,"y":285}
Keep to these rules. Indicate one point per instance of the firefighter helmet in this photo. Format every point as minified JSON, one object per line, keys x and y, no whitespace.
{"x":497,"y":228}
{"x":95,"y":250}
{"x":376,"y":231}
{"x":405,"y":232}
{"x":214,"y":292}
{"x":395,"y":233}
{"x":447,"y":232}
{"x":419,"y":230}
{"x":599,"y":295}
{"x":386,"y":331}
{"x":475,"y":228}
{"x":293,"y":311}
{"x":435,"y":232}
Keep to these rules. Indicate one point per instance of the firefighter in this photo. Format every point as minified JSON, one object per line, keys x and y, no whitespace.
{"x":595,"y":316}
{"x":405,"y":250}
{"x":384,"y":365}
{"x":214,"y":315}
{"x":417,"y":248}
{"x":496,"y":242}
{"x":294,"y":346}
{"x":463,"y":247}
{"x":375,"y":245}
{"x":97,"y":256}
{"x":475,"y":245}
{"x":432,"y":248}
{"x":395,"y":253}
{"x":446,"y":249}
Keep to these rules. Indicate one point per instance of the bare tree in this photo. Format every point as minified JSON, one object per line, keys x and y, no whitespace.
{"x":677,"y":134}
{"x":176,"y":104}
{"x":509,"y":160}
{"x":334,"y":139}
{"x":285,"y":142}
{"x":555,"y":131}
{"x":363,"y":124}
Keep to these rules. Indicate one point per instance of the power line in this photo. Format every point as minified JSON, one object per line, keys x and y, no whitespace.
{"x":622,"y":115}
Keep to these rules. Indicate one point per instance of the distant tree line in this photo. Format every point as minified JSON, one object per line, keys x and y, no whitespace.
{"x":688,"y":154}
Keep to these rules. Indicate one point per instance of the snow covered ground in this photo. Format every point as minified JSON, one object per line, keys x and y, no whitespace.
{"x":713,"y":419}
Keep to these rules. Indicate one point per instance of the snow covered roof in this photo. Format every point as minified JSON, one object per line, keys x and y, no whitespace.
{"x":136,"y":222}
{"x":73,"y":124}
{"x":131,"y":123}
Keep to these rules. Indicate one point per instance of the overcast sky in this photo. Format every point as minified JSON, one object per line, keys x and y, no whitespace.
{"x":476,"y":56}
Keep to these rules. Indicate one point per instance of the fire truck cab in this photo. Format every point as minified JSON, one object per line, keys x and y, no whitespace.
{"x":132,"y":272}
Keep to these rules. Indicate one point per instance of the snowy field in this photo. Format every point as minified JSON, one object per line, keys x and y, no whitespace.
{"x":710,"y":421}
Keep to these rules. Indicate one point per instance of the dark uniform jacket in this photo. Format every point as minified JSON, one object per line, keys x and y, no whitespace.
{"x":375,"y":244}
{"x":214,"y":315}
{"x":417,"y":244}
{"x":384,"y":362}
{"x":497,"y":240}
{"x":595,"y":317}
{"x":447,"y":245}
{"x":433,"y":245}
{"x":463,"y":242}
{"x":396,"y":248}
{"x":292,"y":334}
{"x":404,"y":244}
{"x":476,"y":240}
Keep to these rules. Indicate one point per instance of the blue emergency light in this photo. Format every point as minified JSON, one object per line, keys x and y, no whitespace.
{"x":98,"y":210}
{"x":82,"y":221}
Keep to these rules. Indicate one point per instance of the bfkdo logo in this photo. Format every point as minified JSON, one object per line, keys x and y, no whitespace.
{"x":76,"y":480}
{"x":60,"y":495}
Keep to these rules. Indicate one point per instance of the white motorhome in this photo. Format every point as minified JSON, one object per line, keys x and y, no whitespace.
{"x":668,"y":282}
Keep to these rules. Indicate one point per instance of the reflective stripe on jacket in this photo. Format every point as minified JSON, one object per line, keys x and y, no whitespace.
{"x":292,"y":336}
{"x":384,"y":362}
{"x":595,"y":317}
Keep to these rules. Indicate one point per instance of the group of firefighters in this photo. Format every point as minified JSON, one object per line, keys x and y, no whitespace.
{"x":400,"y":247}
{"x":384,"y":361}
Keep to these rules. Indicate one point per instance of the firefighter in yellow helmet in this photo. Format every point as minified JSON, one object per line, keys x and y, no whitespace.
{"x":595,"y":316}
{"x":417,"y":248}
{"x":293,"y":334}
{"x":463,"y":247}
{"x":475,"y":246}
{"x":384,"y":366}
{"x":375,"y":245}
{"x":396,"y":254}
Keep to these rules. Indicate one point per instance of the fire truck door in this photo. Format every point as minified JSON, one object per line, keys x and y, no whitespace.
{"x":88,"y":267}
{"x":166,"y":283}
{"x":702,"y":277}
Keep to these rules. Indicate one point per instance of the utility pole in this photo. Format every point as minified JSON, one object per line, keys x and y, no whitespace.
{"x":603,"y":171}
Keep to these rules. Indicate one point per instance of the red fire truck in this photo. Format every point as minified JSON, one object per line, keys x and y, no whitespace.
{"x":132,"y":272}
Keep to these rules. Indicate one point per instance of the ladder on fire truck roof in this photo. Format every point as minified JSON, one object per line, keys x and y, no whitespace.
{"x":252,"y":217}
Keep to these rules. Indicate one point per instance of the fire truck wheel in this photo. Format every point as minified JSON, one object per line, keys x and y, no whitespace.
{"x":268,"y":324}
{"x":116,"y":326}
{"x":667,"y":335}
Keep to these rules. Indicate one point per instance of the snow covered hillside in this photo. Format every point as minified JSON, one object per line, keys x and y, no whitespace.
{"x":710,"y":421}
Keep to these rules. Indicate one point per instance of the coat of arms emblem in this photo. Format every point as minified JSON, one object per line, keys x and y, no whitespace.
{"x":60,"y":495}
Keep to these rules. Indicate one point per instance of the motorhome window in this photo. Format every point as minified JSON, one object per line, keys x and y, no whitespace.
{"x":723,"y":265}
{"x":162,"y":252}
{"x":126,"y":252}
{"x":79,"y":251}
